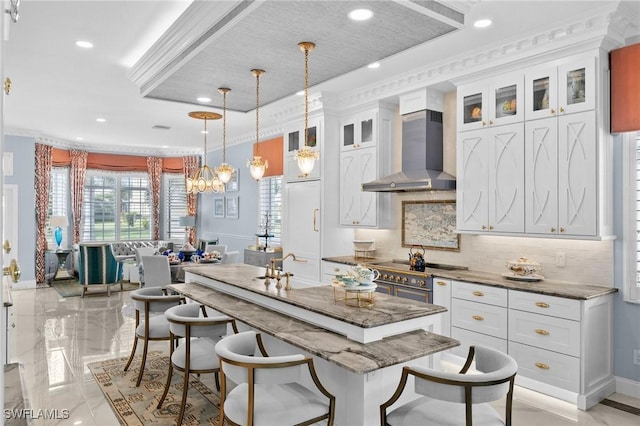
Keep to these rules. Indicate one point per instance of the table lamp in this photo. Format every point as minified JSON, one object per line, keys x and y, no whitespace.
{"x":57,"y":222}
{"x":188,"y":222}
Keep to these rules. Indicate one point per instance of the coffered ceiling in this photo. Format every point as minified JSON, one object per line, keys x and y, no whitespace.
{"x":152,"y":58}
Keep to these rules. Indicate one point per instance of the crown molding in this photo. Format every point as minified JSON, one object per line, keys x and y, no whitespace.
{"x":591,"y":31}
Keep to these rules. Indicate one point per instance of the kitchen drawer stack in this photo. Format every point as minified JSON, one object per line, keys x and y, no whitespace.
{"x":562,"y":346}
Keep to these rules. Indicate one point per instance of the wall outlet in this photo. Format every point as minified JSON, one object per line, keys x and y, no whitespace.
{"x":636,"y":356}
{"x":560,"y":259}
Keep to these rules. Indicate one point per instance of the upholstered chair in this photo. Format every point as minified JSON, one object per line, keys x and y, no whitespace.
{"x":230,"y":256}
{"x":220,"y":248}
{"x":456,"y":398}
{"x":268,"y":389}
{"x":197,"y":352}
{"x":142,"y":251}
{"x":151,"y":324}
{"x":97,"y":265}
{"x":157,"y":271}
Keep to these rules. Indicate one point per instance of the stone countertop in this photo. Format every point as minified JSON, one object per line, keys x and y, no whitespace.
{"x":548,"y":287}
{"x":353,"y":260}
{"x":356,"y":357}
{"x":386,"y":310}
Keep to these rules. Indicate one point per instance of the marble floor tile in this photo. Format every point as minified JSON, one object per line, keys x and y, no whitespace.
{"x":58,"y":337}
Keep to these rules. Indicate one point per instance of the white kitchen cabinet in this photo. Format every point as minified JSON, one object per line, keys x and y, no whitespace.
{"x":560,"y":88}
{"x":563,"y":346}
{"x":301,"y":229}
{"x":561,"y":175}
{"x":364,"y":157}
{"x":294,"y":140}
{"x":490,"y":195}
{"x":491,"y":102}
{"x":442,"y":297}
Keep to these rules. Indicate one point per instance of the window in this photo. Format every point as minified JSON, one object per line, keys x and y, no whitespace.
{"x":175,"y":195}
{"x":58,"y":199}
{"x":116,"y":206}
{"x":270,"y":208}
{"x":631,"y":216}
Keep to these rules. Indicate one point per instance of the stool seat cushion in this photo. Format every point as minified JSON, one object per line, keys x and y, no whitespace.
{"x":427,"y":411}
{"x":203,"y":355}
{"x":287,"y":404}
{"x":158,"y":327}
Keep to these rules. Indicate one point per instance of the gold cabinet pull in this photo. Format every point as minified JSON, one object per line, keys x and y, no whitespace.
{"x":553,"y":111}
{"x":484,"y":227}
{"x":542,"y":366}
{"x":441,"y":283}
{"x":490,"y":122}
{"x":561,"y":109}
{"x":542,"y":305}
{"x":542,"y":332}
{"x":490,"y":227}
{"x":484,"y":124}
{"x":561,"y":229}
{"x":315,"y":219}
{"x":478,"y":318}
{"x":478,"y":293}
{"x":553,"y":229}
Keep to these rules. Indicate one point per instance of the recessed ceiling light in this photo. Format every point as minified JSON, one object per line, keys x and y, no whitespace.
{"x":204,"y":99}
{"x":204,"y":132}
{"x":84,"y":44}
{"x":300,"y":93}
{"x":360,"y":14}
{"x":482,"y":23}
{"x":79,"y":138}
{"x":101,"y":120}
{"x":374,"y":65}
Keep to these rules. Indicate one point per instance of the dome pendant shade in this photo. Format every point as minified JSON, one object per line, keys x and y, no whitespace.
{"x":224,"y":171}
{"x":257,"y":166}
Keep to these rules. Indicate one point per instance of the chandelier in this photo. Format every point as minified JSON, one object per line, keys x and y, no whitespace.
{"x":257,"y":166}
{"x":205,"y":179}
{"x":224,"y":171}
{"x":306,"y":157}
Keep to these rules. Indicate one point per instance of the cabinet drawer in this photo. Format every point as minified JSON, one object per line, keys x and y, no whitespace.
{"x":555,"y":334}
{"x":486,"y":319}
{"x":413,"y":294}
{"x":479,"y":293}
{"x":545,"y":366}
{"x":469,"y":338}
{"x":385,"y":288}
{"x":546,"y":305}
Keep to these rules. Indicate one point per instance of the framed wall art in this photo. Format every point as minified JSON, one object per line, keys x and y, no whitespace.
{"x":233,"y":184}
{"x":231,"y":204}
{"x":218,"y":207}
{"x":430,"y":224}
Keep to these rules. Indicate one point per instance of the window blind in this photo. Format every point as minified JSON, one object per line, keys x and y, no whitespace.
{"x":270,"y":208}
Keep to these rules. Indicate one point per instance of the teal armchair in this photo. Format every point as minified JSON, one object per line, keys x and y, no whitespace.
{"x":97,"y":265}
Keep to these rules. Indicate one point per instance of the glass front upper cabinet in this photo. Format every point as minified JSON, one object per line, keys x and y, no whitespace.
{"x":358,"y":132}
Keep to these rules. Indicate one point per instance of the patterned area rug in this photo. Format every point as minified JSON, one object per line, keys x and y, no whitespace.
{"x":71,"y":288}
{"x":137,"y":406}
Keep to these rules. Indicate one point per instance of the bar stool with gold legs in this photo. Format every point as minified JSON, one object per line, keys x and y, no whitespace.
{"x":147,"y":302}
{"x":268,"y":389}
{"x":197,"y":353}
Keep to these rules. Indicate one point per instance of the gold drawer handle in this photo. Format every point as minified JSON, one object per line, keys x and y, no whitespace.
{"x":478,"y":293}
{"x":542,"y":366}
{"x":477,"y":318}
{"x":542,"y":305}
{"x":542,"y":332}
{"x":441,"y":283}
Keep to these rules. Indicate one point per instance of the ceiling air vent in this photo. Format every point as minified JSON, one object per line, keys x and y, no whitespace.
{"x":161,"y":127}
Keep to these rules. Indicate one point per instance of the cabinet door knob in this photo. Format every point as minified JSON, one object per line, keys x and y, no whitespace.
{"x":477,"y":318}
{"x":490,"y":122}
{"x":553,"y":229}
{"x":484,"y":227}
{"x":478,"y":293}
{"x":561,"y":229}
{"x":553,"y":111}
{"x":441,"y":283}
{"x":561,"y":109}
{"x":542,"y":365}
{"x":542,"y":332}
{"x":484,"y":123}
{"x":490,"y":227}
{"x":542,"y":305}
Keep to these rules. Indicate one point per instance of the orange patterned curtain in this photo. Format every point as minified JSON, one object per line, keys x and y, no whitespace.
{"x":191,"y":165}
{"x":154,"y":169}
{"x":78,"y":173}
{"x":42,"y":186}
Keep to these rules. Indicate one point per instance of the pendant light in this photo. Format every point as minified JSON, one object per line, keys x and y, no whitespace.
{"x":306,"y":157}
{"x":205,"y":180}
{"x":224,"y":170}
{"x":257,"y":166}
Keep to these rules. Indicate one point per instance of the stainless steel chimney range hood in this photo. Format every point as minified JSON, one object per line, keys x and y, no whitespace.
{"x":422,"y":150}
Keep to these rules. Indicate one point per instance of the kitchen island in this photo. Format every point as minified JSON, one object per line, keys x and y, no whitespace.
{"x":360,"y":375}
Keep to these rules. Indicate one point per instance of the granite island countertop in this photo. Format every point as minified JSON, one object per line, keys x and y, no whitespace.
{"x":550,"y":287}
{"x":356,"y":357}
{"x":386,"y":310}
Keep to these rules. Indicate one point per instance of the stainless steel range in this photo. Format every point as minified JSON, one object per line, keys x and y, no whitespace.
{"x":397,"y":279}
